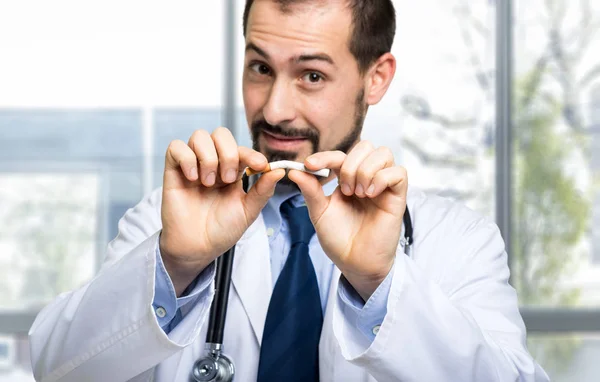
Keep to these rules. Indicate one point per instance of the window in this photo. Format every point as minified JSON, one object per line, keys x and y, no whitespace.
{"x":49,"y":243}
{"x":443,"y":98}
{"x":91,"y":95}
{"x":555,"y":171}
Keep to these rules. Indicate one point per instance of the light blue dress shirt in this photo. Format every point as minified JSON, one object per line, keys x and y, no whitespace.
{"x":367,"y":317}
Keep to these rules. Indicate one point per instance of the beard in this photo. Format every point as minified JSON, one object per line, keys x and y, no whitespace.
{"x":310,"y":133}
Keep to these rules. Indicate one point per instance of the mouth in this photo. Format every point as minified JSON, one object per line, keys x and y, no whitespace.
{"x":280,"y":142}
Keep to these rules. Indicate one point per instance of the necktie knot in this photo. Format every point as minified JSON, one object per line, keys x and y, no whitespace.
{"x":301,"y":228}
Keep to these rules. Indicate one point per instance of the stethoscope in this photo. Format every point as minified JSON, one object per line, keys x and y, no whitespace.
{"x":215,"y":366}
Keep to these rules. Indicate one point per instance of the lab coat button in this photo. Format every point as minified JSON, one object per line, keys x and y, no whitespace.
{"x":376,"y":329}
{"x":161,"y":312}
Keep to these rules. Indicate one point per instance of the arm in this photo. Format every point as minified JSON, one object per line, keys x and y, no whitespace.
{"x":451,"y":314}
{"x":456,"y":321}
{"x":107,"y":329}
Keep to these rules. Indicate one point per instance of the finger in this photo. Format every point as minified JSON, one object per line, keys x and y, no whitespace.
{"x":326,"y":159}
{"x":203,"y":146}
{"x":251,"y":158}
{"x":350,"y":167}
{"x":227,"y":151}
{"x":378,"y":160}
{"x":260,"y":193}
{"x":311,"y":189}
{"x":393,"y":178}
{"x":180,"y":156}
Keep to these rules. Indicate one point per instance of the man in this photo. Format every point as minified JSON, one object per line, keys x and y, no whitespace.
{"x":360,"y":310}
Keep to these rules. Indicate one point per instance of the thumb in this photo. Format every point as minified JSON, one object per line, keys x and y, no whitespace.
{"x":315,"y":198}
{"x":260,"y":193}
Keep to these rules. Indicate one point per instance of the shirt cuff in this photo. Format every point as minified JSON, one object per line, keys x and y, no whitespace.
{"x":166,"y":304}
{"x":366,"y":317}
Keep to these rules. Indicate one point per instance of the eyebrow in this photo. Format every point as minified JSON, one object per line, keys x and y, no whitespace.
{"x":314,"y":57}
{"x":297,"y":59}
{"x":252,"y":46}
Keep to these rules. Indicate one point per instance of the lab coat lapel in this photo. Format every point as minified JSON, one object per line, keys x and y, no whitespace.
{"x":251,"y":275}
{"x":332,"y":365}
{"x":327,"y":346}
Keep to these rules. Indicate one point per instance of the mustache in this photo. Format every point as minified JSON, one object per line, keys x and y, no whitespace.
{"x":307,"y":133}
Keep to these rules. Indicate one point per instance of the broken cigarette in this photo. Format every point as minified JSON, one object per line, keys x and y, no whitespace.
{"x":287,"y":164}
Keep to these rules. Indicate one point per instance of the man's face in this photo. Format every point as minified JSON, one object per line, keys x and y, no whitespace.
{"x":303,"y":92}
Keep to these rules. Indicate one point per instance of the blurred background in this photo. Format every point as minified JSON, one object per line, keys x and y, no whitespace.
{"x":92,"y":92}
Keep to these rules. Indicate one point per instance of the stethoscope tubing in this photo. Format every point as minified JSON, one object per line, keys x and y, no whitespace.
{"x":218,"y":309}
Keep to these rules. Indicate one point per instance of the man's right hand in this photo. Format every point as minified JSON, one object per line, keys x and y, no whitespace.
{"x":204,"y":208}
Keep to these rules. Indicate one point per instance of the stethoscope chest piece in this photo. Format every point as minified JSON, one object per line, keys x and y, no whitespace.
{"x":213,"y":369}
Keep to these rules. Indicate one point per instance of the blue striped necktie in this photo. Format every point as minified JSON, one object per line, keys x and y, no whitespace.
{"x":290,"y":343}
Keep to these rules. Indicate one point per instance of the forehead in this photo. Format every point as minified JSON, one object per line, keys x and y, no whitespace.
{"x":312,"y":25}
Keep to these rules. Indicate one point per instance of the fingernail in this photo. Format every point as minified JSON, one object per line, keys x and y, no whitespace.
{"x":210,"y":179}
{"x":311,"y":161}
{"x":359,"y":189}
{"x":371,"y":190}
{"x":346,"y":189}
{"x":230,"y":176}
{"x":194,"y":173}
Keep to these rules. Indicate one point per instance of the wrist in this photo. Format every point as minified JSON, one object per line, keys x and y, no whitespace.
{"x":366,"y":284}
{"x":181,"y":276}
{"x":182,"y":272}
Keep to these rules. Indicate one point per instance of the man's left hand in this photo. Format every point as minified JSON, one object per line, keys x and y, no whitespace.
{"x":359,"y":225}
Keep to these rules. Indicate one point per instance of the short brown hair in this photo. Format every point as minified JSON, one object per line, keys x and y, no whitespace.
{"x":374,"y":27}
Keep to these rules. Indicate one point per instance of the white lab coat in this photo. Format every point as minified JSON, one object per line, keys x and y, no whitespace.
{"x":451,"y":315}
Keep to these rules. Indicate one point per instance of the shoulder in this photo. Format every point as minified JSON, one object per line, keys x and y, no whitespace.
{"x":138,"y":223}
{"x":148,"y":207}
{"x":453,"y":243}
{"x":429,"y":209}
{"x":444,"y":224}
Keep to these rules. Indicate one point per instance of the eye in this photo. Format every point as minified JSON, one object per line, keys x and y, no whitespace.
{"x":313,"y":77}
{"x":261,"y":69}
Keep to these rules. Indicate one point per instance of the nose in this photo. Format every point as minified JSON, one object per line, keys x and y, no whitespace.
{"x":279,"y":108}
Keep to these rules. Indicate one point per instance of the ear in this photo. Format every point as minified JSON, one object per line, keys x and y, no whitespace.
{"x":379,"y":77}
